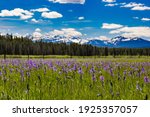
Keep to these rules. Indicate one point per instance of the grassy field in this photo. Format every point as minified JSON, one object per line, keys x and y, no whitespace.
{"x":85,"y":78}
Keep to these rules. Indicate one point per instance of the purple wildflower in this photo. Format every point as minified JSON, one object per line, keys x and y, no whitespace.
{"x":111,"y":71}
{"x":143,"y":70}
{"x":146,"y":79}
{"x":102,"y":78}
{"x":74,"y":67}
{"x":80,"y":71}
{"x":92,"y":70}
{"x":125,"y":73}
{"x":54,"y":69}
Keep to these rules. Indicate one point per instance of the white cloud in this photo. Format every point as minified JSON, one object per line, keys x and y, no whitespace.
{"x":24,"y":17}
{"x":37,"y":35}
{"x":111,"y":5}
{"x":63,"y":34}
{"x":66,"y":32}
{"x":133,"y":31}
{"x":81,"y":18}
{"x":51,"y":15}
{"x":104,"y":38}
{"x":34,"y":21}
{"x":145,"y":19}
{"x":37,"y":30}
{"x":40,"y":10}
{"x":132,"y":4}
{"x":109,"y":1}
{"x":17,"y":12}
{"x":141,"y":8}
{"x":111,"y":26}
{"x":68,"y":1}
{"x":136,"y":6}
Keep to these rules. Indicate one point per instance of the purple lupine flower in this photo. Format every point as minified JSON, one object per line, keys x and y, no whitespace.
{"x":124,"y":73}
{"x":86,"y":65}
{"x":68,"y":64}
{"x":111,"y":72}
{"x":92,"y":70}
{"x":80,"y":71}
{"x":146,"y":79}
{"x":11,"y":70}
{"x":54,"y":68}
{"x":0,"y":73}
{"x":102,"y":78}
{"x":143,"y":70}
{"x":74,"y":67}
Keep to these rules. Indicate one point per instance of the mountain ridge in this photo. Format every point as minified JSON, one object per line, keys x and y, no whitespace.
{"x":117,"y":42}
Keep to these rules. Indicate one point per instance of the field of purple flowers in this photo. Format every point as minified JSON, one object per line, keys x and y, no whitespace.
{"x":74,"y":79}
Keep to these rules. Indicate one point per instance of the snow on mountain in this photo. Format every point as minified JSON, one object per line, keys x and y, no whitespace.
{"x":61,"y":39}
{"x":117,"y":42}
{"x":130,"y":42}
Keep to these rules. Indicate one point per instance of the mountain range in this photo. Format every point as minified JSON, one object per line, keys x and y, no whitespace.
{"x":122,"y":42}
{"x":117,"y":42}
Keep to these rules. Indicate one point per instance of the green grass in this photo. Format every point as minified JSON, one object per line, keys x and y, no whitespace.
{"x":67,"y":56}
{"x":47,"y":84}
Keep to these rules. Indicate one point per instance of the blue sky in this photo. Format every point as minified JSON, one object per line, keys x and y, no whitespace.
{"x":88,"y":18}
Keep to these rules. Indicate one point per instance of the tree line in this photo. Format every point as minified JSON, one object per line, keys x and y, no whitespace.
{"x":11,"y":45}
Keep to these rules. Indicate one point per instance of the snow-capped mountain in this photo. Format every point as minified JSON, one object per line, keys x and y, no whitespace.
{"x":61,"y":39}
{"x":130,"y":42}
{"x":117,"y":42}
{"x":122,"y":42}
{"x":97,"y":42}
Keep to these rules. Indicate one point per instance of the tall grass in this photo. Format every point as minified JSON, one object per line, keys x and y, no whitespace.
{"x":75,"y":79}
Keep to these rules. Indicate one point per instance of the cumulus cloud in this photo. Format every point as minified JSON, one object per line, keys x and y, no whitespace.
{"x":37,"y":35}
{"x":68,"y":1}
{"x":51,"y":15}
{"x":104,"y":38}
{"x":66,"y":32}
{"x":63,"y":34}
{"x":136,"y":6}
{"x":34,"y":21}
{"x":109,"y":1}
{"x":133,"y":31}
{"x":17,"y":12}
{"x":145,"y":19}
{"x":81,"y":18}
{"x":111,"y":26}
{"x":40,"y":10}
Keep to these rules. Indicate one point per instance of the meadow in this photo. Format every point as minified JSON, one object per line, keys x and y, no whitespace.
{"x":75,"y":79}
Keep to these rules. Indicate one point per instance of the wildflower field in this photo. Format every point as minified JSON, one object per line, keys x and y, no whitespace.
{"x":75,"y":79}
